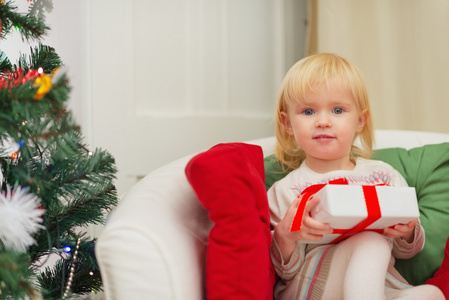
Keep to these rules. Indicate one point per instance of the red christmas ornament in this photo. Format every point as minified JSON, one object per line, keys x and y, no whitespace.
{"x":14,"y":155}
{"x":18,"y":77}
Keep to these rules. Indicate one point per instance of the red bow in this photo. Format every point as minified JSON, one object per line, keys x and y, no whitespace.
{"x":371,"y":201}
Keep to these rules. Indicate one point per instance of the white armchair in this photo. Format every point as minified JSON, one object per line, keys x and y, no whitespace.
{"x":154,"y":242}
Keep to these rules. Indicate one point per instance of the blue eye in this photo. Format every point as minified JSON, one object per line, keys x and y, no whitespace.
{"x":338,"y":110}
{"x":308,"y":112}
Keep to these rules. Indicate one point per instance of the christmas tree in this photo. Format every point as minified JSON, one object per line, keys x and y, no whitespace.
{"x":51,"y":185}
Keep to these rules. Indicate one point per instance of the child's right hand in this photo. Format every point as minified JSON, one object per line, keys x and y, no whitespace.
{"x":311,"y":229}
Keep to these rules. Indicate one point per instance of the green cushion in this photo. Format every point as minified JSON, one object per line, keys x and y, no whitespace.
{"x":427,"y":169}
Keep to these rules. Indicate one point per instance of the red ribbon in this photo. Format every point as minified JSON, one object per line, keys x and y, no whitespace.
{"x":371,"y":201}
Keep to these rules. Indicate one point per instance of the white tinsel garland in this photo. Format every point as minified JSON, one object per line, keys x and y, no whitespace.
{"x":20,"y":217}
{"x":8,"y":146}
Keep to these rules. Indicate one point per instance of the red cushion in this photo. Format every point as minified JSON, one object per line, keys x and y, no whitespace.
{"x":441,"y":277}
{"x":229,"y":181}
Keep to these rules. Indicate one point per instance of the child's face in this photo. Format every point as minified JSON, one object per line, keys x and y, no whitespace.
{"x":324,"y":125}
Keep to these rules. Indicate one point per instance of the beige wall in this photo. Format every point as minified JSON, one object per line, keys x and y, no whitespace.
{"x":402,"y":48}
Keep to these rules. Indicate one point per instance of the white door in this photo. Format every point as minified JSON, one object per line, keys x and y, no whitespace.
{"x":172,"y":77}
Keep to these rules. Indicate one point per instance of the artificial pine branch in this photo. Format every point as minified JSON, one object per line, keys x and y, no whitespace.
{"x":75,"y":185}
{"x":5,"y":64}
{"x":87,"y":277}
{"x":29,"y":27}
{"x":14,"y":274}
{"x":42,"y":56}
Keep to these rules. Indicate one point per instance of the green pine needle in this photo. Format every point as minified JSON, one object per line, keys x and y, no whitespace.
{"x":29,"y":27}
{"x":5,"y":64}
{"x":42,"y":56}
{"x":15,"y":275}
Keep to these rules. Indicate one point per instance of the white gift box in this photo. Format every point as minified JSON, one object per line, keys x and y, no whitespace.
{"x":344,"y":207}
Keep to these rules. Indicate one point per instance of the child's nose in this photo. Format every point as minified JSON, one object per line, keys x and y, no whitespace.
{"x":323,"y":120}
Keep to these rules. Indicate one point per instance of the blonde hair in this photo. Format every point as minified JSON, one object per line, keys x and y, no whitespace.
{"x":302,"y":78}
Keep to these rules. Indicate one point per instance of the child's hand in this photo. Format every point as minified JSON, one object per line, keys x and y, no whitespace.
{"x":404,"y":231}
{"x":311,"y":229}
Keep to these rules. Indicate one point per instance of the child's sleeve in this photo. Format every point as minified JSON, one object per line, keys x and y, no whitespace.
{"x":277,"y":199}
{"x":402,"y":249}
{"x":287,"y":271}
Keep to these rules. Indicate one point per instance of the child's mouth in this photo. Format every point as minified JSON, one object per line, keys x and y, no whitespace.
{"x":322,"y":136}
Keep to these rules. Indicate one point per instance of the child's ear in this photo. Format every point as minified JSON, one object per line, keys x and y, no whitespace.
{"x":362,"y":120}
{"x":286,"y":122}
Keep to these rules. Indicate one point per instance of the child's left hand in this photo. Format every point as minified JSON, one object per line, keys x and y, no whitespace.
{"x":404,"y":231}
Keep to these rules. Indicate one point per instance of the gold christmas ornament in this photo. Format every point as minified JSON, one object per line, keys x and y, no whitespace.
{"x":44,"y":84}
